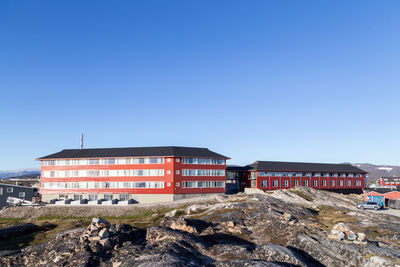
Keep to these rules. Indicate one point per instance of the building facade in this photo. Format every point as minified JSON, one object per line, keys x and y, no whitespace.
{"x":237,"y":178}
{"x":145,"y":174}
{"x":16,"y":191}
{"x":389,"y":181}
{"x":270,"y":175}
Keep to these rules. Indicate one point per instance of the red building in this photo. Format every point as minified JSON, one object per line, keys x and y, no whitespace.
{"x":145,"y":174}
{"x":271,"y":175}
{"x":389,"y":181}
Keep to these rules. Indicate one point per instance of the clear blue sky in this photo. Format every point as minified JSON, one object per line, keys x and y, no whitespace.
{"x":314,"y":81}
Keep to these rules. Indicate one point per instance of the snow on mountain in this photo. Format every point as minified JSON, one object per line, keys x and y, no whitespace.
{"x":388,"y":169}
{"x":19,"y":172}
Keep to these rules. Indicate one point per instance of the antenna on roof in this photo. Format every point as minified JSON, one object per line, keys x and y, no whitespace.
{"x":81,"y":141}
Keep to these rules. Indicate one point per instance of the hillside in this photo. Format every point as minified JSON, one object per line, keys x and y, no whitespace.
{"x":295,"y":227}
{"x":376,"y":171}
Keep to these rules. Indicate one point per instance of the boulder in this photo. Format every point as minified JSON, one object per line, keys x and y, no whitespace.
{"x":351,"y":236}
{"x":360,"y":236}
{"x":106,"y":244}
{"x":104,"y":233}
{"x":341,"y":227}
{"x":172,"y":213}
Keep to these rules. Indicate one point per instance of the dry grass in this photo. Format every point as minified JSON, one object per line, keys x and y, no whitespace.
{"x":52,"y":224}
{"x":328,"y":216}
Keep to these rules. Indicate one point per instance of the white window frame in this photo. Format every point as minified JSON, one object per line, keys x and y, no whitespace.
{"x":10,"y":189}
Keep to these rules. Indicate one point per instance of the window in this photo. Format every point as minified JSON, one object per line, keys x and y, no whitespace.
{"x":358,"y":183}
{"x":189,"y":184}
{"x":305,"y":183}
{"x":285,"y":183}
{"x":177,"y":184}
{"x":205,"y":161}
{"x":253,"y":183}
{"x":94,"y":161}
{"x":177,"y":172}
{"x":275,"y":183}
{"x":1,"y":190}
{"x":10,"y":189}
{"x":315,"y":183}
{"x":348,"y":183}
{"x":324,"y":183}
{"x":202,"y":172}
{"x":123,"y":197}
{"x":168,"y":184}
{"x":168,"y":159}
{"x":21,"y":194}
{"x":340,"y":182}
{"x":168,"y":172}
{"x":332,"y":183}
{"x":296,"y":182}
{"x":108,"y":197}
{"x":264,"y":183}
{"x":177,"y":160}
{"x":49,"y":162}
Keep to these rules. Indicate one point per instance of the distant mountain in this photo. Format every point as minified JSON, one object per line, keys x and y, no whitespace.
{"x":19,"y":173}
{"x":377,"y":171}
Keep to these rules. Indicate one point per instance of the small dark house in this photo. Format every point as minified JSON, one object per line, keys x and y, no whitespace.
{"x":22,"y":192}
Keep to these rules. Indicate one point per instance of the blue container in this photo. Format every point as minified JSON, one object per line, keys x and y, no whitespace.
{"x":377,"y":199}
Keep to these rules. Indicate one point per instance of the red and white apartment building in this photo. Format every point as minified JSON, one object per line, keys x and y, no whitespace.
{"x":159,"y":174}
{"x":272,"y":175}
{"x":145,"y":174}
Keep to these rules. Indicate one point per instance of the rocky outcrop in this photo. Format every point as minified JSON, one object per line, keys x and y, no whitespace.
{"x":240,"y":230}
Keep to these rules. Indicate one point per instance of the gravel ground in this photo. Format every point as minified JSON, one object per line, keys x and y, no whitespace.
{"x":388,"y":211}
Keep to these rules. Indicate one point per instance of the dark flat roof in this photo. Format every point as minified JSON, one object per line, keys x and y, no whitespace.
{"x":237,"y":168}
{"x":381,"y":190}
{"x":303,"y":167}
{"x":161,"y":151}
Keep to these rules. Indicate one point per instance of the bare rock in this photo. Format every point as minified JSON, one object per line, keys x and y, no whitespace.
{"x":377,"y":261}
{"x":278,"y":254}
